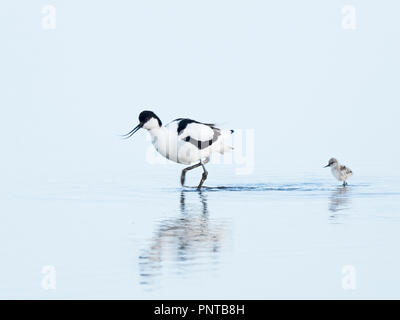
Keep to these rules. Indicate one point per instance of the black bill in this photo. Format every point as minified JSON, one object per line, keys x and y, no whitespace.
{"x":131,"y":133}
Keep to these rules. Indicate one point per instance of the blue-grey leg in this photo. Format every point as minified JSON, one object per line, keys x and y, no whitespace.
{"x":203,"y":177}
{"x":183,"y":175}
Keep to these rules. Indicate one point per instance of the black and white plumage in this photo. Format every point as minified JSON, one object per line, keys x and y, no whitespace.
{"x":340,"y":172}
{"x":185,"y":141}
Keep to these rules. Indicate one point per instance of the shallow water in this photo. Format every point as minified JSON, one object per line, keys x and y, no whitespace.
{"x":114,"y":239}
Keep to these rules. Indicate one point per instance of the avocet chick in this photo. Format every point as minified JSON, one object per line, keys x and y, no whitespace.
{"x":340,"y":172}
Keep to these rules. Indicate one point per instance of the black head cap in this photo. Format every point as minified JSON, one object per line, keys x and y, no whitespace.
{"x":146,"y":115}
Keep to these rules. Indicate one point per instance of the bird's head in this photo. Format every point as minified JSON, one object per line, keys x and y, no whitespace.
{"x":332,"y":162}
{"x":147,"y":120}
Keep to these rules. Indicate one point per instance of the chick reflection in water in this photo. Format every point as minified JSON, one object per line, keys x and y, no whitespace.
{"x":339,"y":201}
{"x":190,"y":242}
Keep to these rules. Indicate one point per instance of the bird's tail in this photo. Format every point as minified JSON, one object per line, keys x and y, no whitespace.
{"x":226,"y":141}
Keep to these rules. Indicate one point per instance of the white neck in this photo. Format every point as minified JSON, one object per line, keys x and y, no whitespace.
{"x":157,"y":131}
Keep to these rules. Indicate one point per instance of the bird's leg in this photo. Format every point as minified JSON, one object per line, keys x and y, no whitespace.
{"x":344,"y":183}
{"x":186,"y":170}
{"x":203,"y":177}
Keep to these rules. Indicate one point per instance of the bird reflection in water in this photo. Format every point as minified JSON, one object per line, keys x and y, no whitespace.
{"x":339,"y":201}
{"x":186,"y":243}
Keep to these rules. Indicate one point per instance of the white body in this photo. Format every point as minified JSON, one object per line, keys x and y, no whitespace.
{"x":174,"y":147}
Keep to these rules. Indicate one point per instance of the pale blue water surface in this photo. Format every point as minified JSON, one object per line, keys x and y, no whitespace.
{"x":283,"y":239}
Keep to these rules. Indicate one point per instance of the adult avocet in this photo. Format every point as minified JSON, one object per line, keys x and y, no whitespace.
{"x":185,"y":141}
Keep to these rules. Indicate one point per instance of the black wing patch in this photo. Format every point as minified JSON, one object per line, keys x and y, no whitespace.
{"x":183,"y":123}
{"x":203,"y":144}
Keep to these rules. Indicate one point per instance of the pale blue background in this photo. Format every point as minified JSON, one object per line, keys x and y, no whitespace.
{"x":286,"y":69}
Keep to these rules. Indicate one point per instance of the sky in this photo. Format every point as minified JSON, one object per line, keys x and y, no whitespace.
{"x":288,"y":71}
